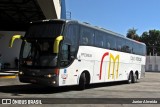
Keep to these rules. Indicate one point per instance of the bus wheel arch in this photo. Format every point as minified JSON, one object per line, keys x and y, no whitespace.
{"x":84,"y":80}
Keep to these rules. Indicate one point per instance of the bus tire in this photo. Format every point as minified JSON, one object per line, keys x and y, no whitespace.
{"x":129,"y":81}
{"x":134,"y":78}
{"x":82,"y":82}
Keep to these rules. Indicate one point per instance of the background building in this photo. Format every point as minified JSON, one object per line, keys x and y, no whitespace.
{"x":153,"y":63}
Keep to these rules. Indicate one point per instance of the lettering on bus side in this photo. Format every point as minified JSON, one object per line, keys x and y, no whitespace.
{"x":86,"y":55}
{"x":112,"y":61}
{"x":115,"y":66}
{"x":133,"y":58}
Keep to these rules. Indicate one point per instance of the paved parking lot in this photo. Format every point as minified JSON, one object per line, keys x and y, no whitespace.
{"x":148,"y":87}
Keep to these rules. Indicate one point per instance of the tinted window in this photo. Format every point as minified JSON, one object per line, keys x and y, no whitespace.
{"x":142,"y":50}
{"x":99,"y":39}
{"x":71,"y":43}
{"x":72,"y":34}
{"x":120,"y":44}
{"x":136,"y":49}
{"x":65,"y":55}
{"x":44,"y":30}
{"x":128,"y":46}
{"x":110,"y":42}
{"x":87,"y":36}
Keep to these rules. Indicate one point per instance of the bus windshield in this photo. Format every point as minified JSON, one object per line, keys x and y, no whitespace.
{"x":38,"y":53}
{"x":37,"y":47}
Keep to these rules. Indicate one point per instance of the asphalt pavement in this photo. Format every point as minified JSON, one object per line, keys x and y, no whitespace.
{"x":148,"y":87}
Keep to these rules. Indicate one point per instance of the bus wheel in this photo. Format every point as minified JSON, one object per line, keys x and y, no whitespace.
{"x":134,"y":78}
{"x":129,"y":81}
{"x":82,"y":82}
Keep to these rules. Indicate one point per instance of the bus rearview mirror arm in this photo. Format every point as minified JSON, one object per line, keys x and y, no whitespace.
{"x":13,"y":39}
{"x":56,"y":44}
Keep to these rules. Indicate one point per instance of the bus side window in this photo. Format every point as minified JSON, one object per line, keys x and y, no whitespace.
{"x":144,"y":50}
{"x":65,"y":52}
{"x":108,"y":45}
{"x":72,"y":34}
{"x":99,"y":39}
{"x":87,"y":36}
{"x":84,"y":40}
{"x":136,"y":49}
{"x":107,"y":42}
{"x":111,"y":42}
{"x":120,"y":44}
{"x":128,"y":46}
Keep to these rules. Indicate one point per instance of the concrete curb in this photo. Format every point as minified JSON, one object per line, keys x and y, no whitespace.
{"x":8,"y":74}
{"x":11,"y":71}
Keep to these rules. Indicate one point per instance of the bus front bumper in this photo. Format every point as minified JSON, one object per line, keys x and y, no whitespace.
{"x":46,"y":81}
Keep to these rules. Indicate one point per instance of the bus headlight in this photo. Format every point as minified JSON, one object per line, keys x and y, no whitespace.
{"x":21,"y":73}
{"x":49,"y":75}
{"x":54,"y":82}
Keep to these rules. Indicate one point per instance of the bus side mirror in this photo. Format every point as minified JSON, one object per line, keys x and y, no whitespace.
{"x":13,"y":39}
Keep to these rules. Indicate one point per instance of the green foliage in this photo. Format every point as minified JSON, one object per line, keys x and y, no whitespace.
{"x":152,"y":41}
{"x":150,"y":38}
{"x":132,"y":34}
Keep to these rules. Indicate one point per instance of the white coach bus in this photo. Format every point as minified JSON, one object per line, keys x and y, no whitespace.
{"x":66,"y":52}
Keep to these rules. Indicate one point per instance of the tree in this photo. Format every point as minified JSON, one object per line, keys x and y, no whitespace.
{"x":132,"y":34}
{"x":152,"y":41}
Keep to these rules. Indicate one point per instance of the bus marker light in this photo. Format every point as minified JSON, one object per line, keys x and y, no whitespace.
{"x":56,"y":71}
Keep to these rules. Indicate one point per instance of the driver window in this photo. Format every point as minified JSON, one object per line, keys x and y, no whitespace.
{"x":65,"y":55}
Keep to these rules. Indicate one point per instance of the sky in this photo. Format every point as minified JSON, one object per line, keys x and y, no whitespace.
{"x":117,"y":15}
